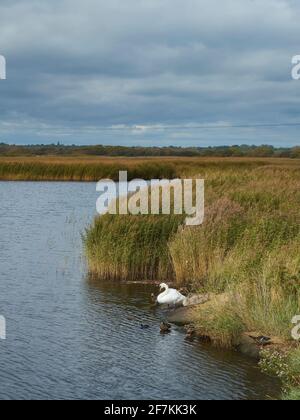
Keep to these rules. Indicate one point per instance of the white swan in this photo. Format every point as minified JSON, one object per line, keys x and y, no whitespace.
{"x":169,"y":296}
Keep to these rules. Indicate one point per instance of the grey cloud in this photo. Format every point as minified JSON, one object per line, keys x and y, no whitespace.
{"x":75,"y":65}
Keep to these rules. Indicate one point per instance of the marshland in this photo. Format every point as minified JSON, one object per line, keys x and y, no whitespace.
{"x":72,"y":335}
{"x":92,"y":277}
{"x":247,"y":251}
{"x":85,"y":168}
{"x":97,"y":304}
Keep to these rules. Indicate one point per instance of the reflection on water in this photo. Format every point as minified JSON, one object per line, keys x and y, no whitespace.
{"x":69,"y":336}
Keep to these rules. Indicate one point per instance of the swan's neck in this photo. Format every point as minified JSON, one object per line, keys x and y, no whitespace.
{"x":166,"y":290}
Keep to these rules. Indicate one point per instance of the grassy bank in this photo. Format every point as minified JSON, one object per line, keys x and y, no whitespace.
{"x":93,"y":168}
{"x":82,"y":169}
{"x":286,"y":366}
{"x":247,"y":250}
{"x":137,"y":249}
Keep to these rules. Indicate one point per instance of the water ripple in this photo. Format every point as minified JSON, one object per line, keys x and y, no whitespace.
{"x":72,"y":337}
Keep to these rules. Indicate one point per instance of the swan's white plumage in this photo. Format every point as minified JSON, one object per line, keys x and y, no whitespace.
{"x":169,"y":296}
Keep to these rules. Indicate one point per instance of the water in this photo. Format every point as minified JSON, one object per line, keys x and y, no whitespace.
{"x":71,"y":337}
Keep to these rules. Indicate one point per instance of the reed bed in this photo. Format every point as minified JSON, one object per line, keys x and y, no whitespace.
{"x":131,"y":247}
{"x":246,"y":253}
{"x":82,"y":170}
{"x":247,"y":248}
{"x":93,"y":168}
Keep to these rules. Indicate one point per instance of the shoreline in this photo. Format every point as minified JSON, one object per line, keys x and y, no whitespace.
{"x":248,"y":245}
{"x":273,"y":358}
{"x":245,"y":343}
{"x":246,"y":253}
{"x":58,"y":168}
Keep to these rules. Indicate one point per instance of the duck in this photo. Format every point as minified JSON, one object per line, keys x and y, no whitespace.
{"x":169,"y":296}
{"x":165,"y":327}
{"x":262,"y":340}
{"x":153,"y":298}
{"x":190,"y":331}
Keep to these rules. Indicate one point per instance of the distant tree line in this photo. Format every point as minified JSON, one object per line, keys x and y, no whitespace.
{"x":217,"y":151}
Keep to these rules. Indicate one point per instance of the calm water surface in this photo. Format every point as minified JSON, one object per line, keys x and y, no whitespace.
{"x":69,"y":337}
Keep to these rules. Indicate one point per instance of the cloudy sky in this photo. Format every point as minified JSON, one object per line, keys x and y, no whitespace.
{"x":150,"y":72}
